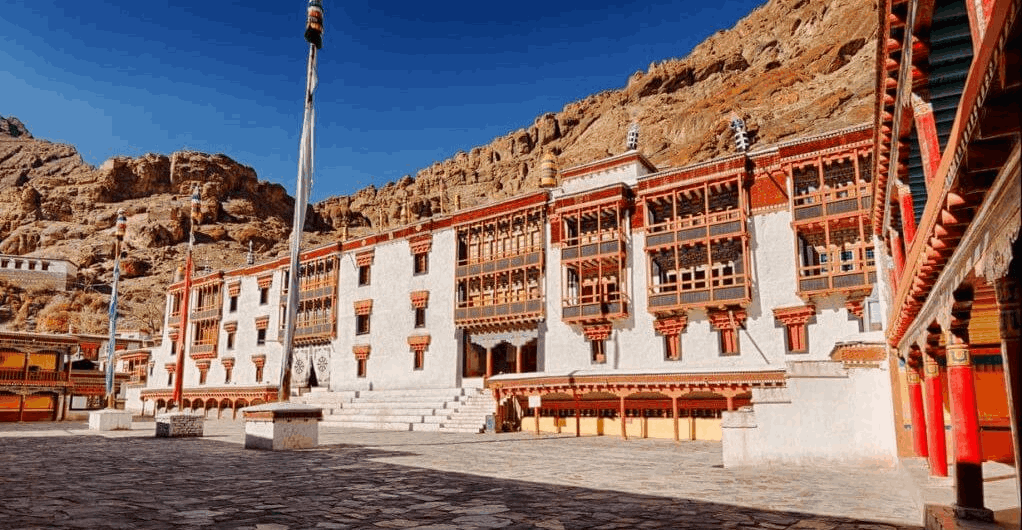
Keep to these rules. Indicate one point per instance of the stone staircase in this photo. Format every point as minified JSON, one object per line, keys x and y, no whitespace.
{"x":470,"y":416}
{"x":445,"y":409}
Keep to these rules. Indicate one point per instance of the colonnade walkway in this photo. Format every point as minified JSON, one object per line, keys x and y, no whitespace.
{"x":61,"y":475}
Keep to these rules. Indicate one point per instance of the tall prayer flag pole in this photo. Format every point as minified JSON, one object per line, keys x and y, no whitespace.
{"x":119,"y":230}
{"x":182,"y":342}
{"x":314,"y":35}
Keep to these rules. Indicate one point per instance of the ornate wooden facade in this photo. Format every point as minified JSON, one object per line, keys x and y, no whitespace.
{"x":591,"y":230}
{"x":948,"y":215}
{"x":501,"y":253}
{"x":830,"y":203}
{"x":697,"y":237}
{"x":316,"y":320}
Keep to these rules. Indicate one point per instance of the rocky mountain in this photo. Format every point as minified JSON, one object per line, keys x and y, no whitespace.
{"x":790,"y":68}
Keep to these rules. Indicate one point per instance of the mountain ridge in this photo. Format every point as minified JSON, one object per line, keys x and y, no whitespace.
{"x":790,"y":68}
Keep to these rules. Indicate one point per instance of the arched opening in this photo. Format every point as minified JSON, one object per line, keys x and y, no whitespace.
{"x":224,"y":404}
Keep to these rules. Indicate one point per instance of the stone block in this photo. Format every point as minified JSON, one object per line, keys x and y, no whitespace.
{"x":110,"y":420}
{"x":282,"y":426}
{"x":179,"y":425}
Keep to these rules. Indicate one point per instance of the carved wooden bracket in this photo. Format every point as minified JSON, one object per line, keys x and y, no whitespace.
{"x":363,"y":307}
{"x":419,"y":342}
{"x":420,"y":299}
{"x":421,"y":244}
{"x":361,"y":351}
{"x":365,"y":258}
{"x":597,"y":332}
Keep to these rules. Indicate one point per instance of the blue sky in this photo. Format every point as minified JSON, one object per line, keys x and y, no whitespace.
{"x":401,"y":85}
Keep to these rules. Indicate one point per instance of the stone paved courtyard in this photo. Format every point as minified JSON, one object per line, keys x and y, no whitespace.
{"x":61,"y":475}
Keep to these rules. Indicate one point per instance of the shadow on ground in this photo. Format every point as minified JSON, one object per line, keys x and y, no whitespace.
{"x":142,"y":482}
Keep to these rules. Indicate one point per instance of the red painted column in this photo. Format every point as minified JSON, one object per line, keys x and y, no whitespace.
{"x":935,"y":417}
{"x":908,"y":214}
{"x":1009,"y":294}
{"x":965,"y":425}
{"x":489,"y":362}
{"x":897,"y":255}
{"x":518,"y":359}
{"x":929,"y":144}
{"x":915,"y":400}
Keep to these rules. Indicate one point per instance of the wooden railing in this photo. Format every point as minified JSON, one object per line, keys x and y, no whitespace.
{"x":9,"y":376}
{"x":832,"y":201}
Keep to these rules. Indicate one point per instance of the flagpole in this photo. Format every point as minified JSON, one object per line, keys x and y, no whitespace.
{"x":314,"y":35}
{"x":119,"y":230}
{"x":182,"y":336}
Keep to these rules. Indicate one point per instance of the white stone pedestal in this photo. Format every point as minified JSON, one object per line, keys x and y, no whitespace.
{"x":179,"y":425}
{"x":282,"y":426}
{"x":110,"y":420}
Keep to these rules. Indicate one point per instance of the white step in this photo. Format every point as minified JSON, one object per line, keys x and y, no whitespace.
{"x":382,"y":426}
{"x":471,"y":430}
{"x":434,"y":404}
{"x":393,"y":418}
{"x":408,"y":399}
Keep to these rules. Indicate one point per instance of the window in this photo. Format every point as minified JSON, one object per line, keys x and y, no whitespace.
{"x":259,"y":373}
{"x":421,"y":263}
{"x":264,"y":295}
{"x":230,"y":340}
{"x":599,"y":355}
{"x":173,"y":348}
{"x":361,"y":367}
{"x":234,"y":303}
{"x":361,"y":324}
{"x":729,"y":342}
{"x":420,"y":359}
{"x":170,"y":378}
{"x":363,"y":275}
{"x":420,"y":317}
{"x":260,"y":337}
{"x":847,"y":259}
{"x":227,"y":374}
{"x":672,"y":347}
{"x":202,"y":377}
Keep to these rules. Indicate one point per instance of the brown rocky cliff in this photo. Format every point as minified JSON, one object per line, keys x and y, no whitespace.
{"x":55,"y":205}
{"x":790,"y":68}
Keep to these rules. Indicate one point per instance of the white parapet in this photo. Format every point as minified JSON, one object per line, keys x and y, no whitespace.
{"x":282,"y":426}
{"x":110,"y":420}
{"x":179,"y":425}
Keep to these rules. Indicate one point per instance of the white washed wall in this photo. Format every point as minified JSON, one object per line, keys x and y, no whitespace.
{"x":390,"y":364}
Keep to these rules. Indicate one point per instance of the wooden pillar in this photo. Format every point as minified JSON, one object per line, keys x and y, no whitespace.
{"x":915,"y":400}
{"x":908,"y":214}
{"x":518,"y":359}
{"x":674,"y":410}
{"x":578,"y":417}
{"x":624,"y":428}
{"x":730,"y":402}
{"x":929,"y":145}
{"x":58,"y":407}
{"x":897,"y":254}
{"x":935,"y":417}
{"x":21,"y":406}
{"x":535,"y":414}
{"x":1008,"y":297}
{"x":691,"y":425}
{"x":489,"y":362}
{"x":965,"y":424}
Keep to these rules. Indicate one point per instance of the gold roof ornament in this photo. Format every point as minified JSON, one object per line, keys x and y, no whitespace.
{"x":548,"y":170}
